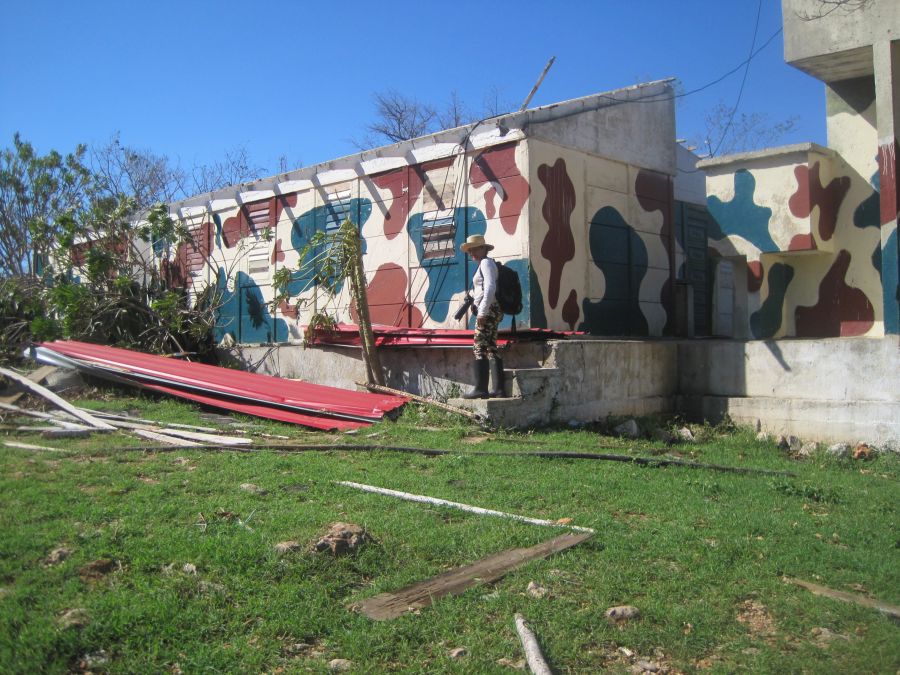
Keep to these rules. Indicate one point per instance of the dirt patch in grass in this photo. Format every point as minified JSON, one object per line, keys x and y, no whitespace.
{"x":757,"y":619}
{"x":96,"y":570}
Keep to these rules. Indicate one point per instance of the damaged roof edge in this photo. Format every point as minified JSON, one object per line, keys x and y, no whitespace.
{"x":497,"y":129}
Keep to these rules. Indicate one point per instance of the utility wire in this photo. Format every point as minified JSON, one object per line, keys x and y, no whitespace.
{"x":743,"y":82}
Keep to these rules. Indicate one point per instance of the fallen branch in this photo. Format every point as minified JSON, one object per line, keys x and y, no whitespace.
{"x":891,"y":610}
{"x":462,"y":507}
{"x":533,"y":654}
{"x":456,"y":581}
{"x":56,"y":400}
{"x":421,"y":399}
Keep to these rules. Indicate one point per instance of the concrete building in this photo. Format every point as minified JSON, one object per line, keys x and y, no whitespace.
{"x":577,"y":197}
{"x":789,"y":270}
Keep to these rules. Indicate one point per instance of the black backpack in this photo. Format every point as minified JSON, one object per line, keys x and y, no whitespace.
{"x":509,"y":290}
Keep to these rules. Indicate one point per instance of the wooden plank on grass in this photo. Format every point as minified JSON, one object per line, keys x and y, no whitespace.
{"x":165,"y":438}
{"x":189,"y":435}
{"x":891,"y":610}
{"x":35,"y":376}
{"x":56,"y":400}
{"x":453,"y":582}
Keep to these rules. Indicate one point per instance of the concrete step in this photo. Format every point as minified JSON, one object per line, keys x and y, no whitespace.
{"x":520,"y":412}
{"x":523,"y":382}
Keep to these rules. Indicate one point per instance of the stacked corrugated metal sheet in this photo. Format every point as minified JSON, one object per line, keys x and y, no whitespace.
{"x":312,"y":405}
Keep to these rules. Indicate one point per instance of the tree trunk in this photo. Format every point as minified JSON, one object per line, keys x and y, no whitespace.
{"x":370,"y":355}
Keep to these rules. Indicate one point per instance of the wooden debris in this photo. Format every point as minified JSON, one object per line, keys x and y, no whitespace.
{"x":84,"y":432}
{"x":165,"y":438}
{"x":453,"y":582}
{"x":137,"y":420}
{"x":35,"y":376}
{"x":891,"y":610}
{"x":29,"y":446}
{"x":533,"y":654}
{"x":456,"y":505}
{"x":421,"y":399}
{"x":56,"y":400}
{"x":189,"y":435}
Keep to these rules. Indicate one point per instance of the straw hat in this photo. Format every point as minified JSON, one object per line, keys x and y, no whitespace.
{"x":474,"y":241}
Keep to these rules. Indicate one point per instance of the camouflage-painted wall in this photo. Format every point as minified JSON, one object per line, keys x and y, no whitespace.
{"x":588,"y":237}
{"x":805,"y":220}
{"x":600,"y":243}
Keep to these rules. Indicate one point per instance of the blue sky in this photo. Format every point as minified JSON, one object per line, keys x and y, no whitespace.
{"x":195,"y":78}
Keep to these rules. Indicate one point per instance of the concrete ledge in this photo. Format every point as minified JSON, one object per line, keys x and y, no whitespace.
{"x":874,"y":422}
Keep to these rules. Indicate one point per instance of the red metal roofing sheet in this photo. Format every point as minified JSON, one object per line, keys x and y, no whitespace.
{"x":324,"y":423}
{"x":259,"y":388}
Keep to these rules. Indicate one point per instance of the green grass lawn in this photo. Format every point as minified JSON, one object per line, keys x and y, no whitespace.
{"x":701,"y":554}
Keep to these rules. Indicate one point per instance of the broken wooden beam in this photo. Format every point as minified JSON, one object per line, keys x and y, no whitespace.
{"x":533,"y":655}
{"x":35,"y":376}
{"x":462,"y":507}
{"x":29,"y":446}
{"x":891,"y":610}
{"x":165,"y":438}
{"x":45,"y":393}
{"x":453,"y":582}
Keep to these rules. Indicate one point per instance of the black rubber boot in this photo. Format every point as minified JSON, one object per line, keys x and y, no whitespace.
{"x":498,"y":379}
{"x":480,"y":372}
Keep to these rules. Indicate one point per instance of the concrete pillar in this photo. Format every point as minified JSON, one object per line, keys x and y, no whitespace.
{"x":886,"y":61}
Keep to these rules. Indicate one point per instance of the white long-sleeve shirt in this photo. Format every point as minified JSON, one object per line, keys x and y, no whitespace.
{"x":484,"y":284}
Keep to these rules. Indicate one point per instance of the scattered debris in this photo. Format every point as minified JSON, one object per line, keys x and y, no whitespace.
{"x":757,"y":619}
{"x":533,"y":654}
{"x":863,"y":451}
{"x":456,"y":505}
{"x":622,"y":614}
{"x":536,"y":590}
{"x":290,"y":546}
{"x":824,"y":637}
{"x":628,"y":429}
{"x":686,"y":434}
{"x":420,"y":399}
{"x":254,"y":489}
{"x":839,"y":450}
{"x":808,"y":449}
{"x":56,"y":556}
{"x":73,"y":618}
{"x":891,"y":610}
{"x":454,"y":582}
{"x":458,"y":653}
{"x":29,"y":446}
{"x":343,"y":538}
{"x":165,"y":438}
{"x":303,"y":403}
{"x":93,"y":660}
{"x":45,"y":393}
{"x":37,"y":376}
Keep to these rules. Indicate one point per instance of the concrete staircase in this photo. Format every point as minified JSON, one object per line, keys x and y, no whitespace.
{"x":530,"y":397}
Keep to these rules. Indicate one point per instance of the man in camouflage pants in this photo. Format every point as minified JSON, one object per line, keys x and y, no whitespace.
{"x":484,"y":283}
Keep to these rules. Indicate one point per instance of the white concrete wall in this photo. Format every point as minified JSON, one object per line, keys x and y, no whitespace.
{"x":843,"y":390}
